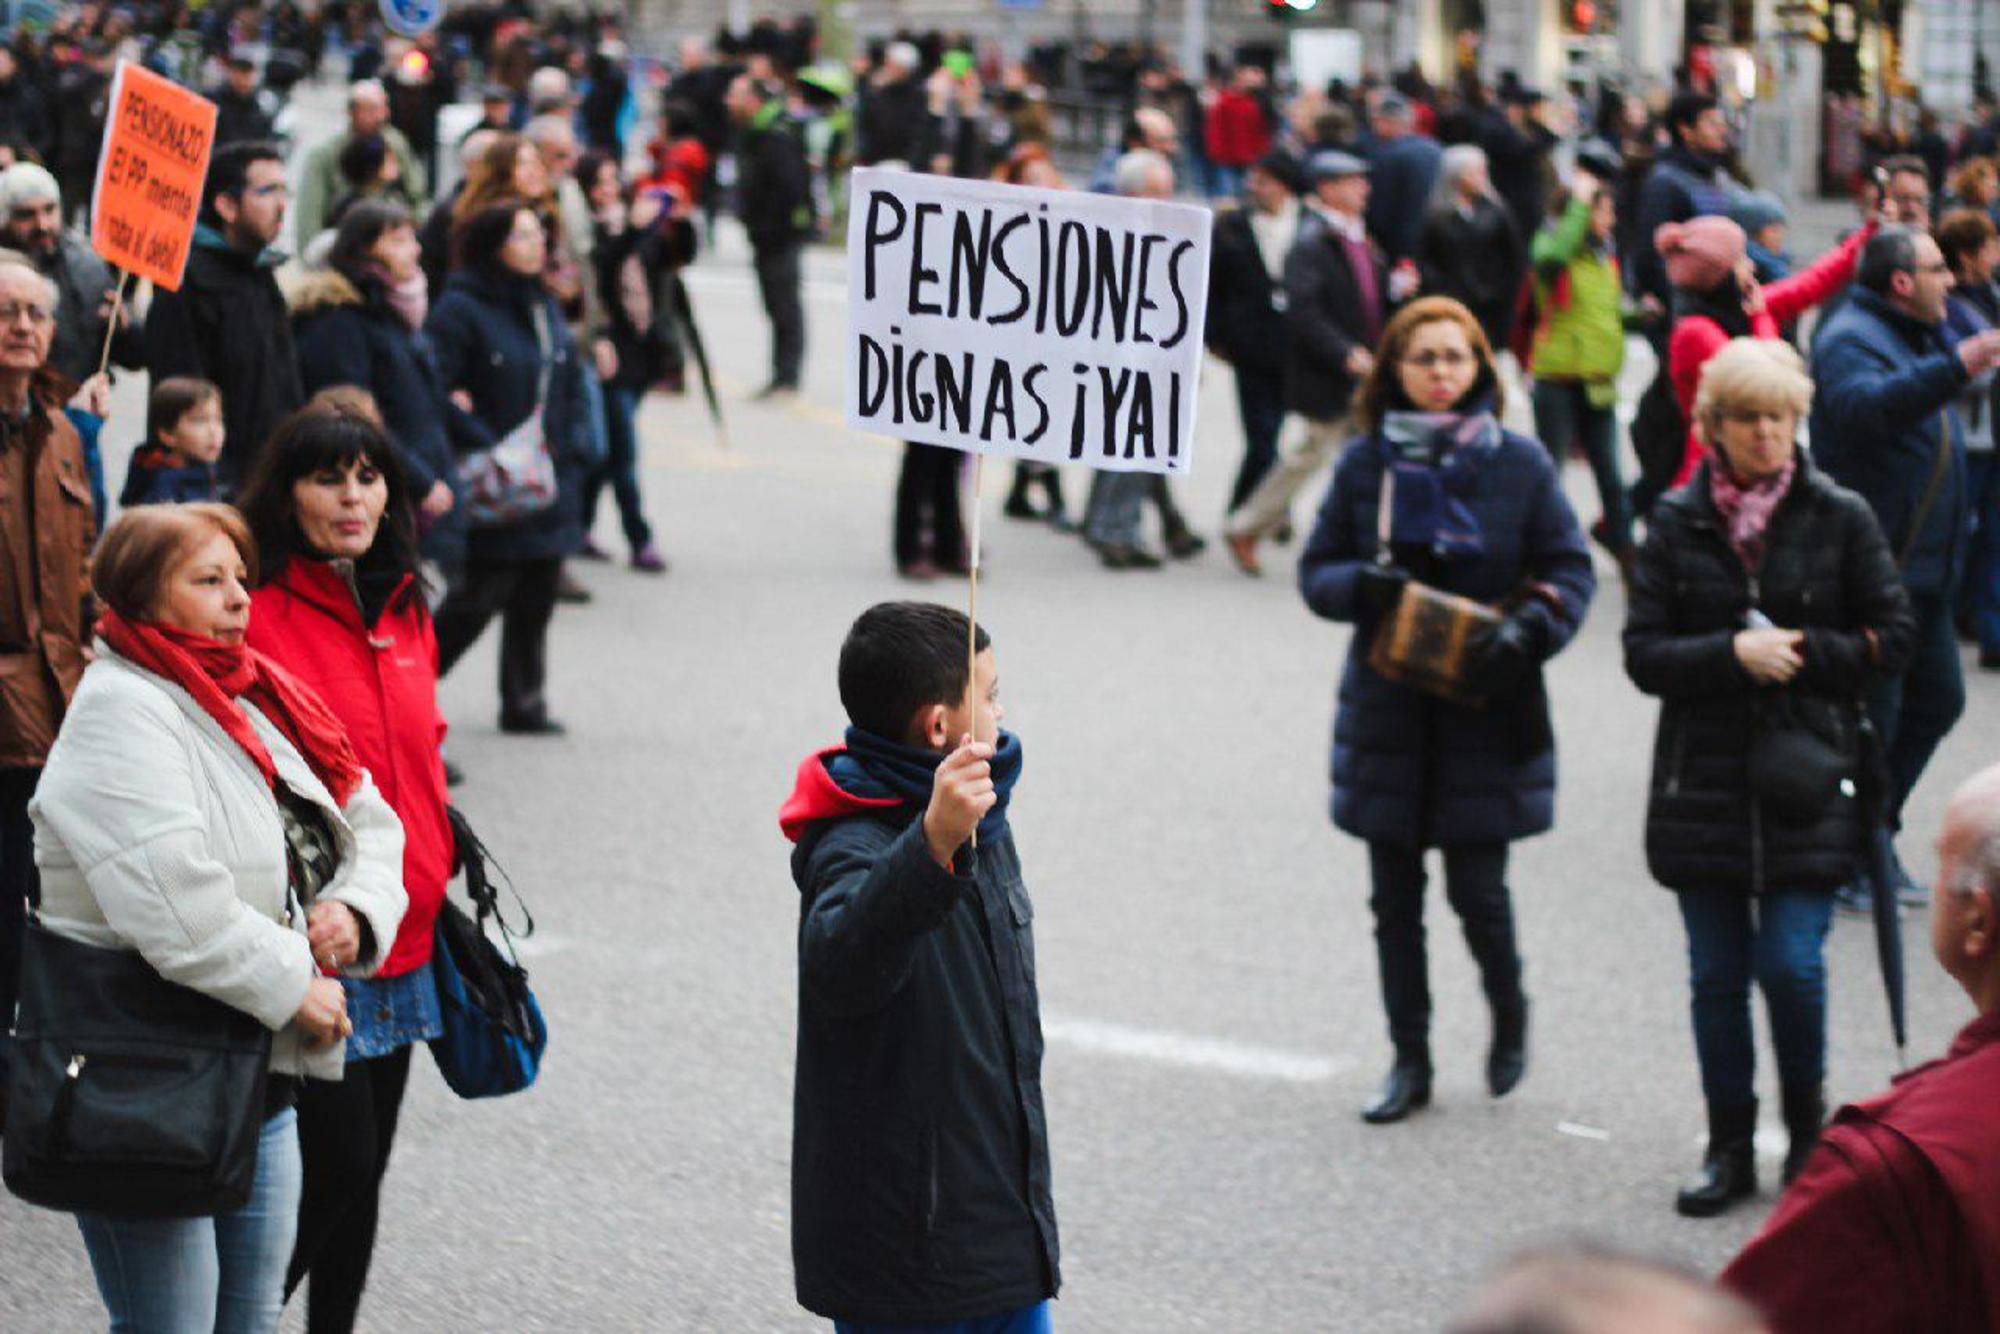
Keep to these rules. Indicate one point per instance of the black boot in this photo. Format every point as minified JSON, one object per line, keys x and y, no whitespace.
{"x":1018,"y":506}
{"x":1805,"y":1113}
{"x":1728,"y":1168}
{"x":1507,"y":1059}
{"x":1407,"y":1088}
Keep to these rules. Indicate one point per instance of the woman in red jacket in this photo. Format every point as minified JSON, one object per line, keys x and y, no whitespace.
{"x":342,"y":607}
{"x":1716,"y":298}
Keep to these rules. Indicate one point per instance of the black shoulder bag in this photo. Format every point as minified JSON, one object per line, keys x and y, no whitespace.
{"x":130,"y":1094}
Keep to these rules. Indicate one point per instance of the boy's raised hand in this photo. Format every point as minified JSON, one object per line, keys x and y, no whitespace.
{"x":961,"y":794}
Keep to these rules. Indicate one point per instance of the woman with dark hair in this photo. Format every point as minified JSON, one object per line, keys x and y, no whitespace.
{"x":341,"y":607}
{"x":360,"y":321}
{"x":1435,"y":491}
{"x":642,"y":239}
{"x":1717,"y":298}
{"x":500,"y":337}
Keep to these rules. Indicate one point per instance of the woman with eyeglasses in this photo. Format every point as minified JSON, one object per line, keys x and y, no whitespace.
{"x":1764,"y":603}
{"x":1435,"y":491}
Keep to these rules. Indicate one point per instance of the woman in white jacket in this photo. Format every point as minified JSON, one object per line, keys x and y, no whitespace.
{"x":187,"y":769}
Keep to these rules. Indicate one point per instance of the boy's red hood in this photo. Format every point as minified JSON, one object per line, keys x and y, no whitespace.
{"x":817,"y":796}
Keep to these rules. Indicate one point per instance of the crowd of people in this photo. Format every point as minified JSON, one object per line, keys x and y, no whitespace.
{"x":220,"y":745}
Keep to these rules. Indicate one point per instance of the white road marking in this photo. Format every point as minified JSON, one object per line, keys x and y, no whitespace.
{"x":1191,"y":1052}
{"x":1582,"y":1131}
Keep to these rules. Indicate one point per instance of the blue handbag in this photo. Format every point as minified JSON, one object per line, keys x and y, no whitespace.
{"x":493,"y":1030}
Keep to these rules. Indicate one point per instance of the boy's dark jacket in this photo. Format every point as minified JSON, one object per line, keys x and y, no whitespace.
{"x":155,"y":479}
{"x":920,"y":1160}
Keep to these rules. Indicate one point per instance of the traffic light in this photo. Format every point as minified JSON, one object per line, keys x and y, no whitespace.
{"x":1582,"y":17}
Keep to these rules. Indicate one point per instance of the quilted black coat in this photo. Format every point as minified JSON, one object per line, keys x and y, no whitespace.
{"x":1826,"y":570}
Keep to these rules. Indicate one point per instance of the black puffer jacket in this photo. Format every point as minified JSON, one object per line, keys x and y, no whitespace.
{"x":920,"y":1152}
{"x":1827,"y":571}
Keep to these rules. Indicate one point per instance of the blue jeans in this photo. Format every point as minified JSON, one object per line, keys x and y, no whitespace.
{"x":1117,"y":508}
{"x":1564,"y":416}
{"x":620,"y":468}
{"x":1915,"y":711}
{"x":1028,"y":1320}
{"x":1979,"y":601}
{"x":226,"y":1274}
{"x":1777,"y":939}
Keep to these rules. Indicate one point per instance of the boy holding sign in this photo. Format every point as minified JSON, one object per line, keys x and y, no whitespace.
{"x":920,"y":1161}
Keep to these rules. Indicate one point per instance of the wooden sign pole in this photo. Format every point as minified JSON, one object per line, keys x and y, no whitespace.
{"x":972,"y":610}
{"x":111,"y":331}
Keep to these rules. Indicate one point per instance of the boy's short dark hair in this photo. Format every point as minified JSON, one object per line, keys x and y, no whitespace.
{"x":900,"y":657}
{"x":174,"y":398}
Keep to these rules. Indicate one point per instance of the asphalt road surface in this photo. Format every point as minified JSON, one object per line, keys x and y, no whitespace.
{"x":1208,"y":977}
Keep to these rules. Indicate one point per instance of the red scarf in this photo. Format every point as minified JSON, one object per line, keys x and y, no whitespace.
{"x":218,"y":674}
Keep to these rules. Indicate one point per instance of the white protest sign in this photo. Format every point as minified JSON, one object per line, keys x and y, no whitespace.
{"x":1044,"y":324}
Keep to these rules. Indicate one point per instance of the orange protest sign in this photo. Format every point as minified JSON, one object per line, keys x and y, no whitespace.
{"x":157,"y":140}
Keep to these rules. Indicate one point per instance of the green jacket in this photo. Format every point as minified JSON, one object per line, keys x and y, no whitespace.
{"x":320,"y":185}
{"x":1580,"y":327}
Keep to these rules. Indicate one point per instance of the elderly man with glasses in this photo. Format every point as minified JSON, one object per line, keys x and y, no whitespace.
{"x":46,"y":527}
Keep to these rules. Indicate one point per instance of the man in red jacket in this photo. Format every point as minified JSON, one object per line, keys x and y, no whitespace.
{"x":1237,"y":132}
{"x":1895,"y":1223}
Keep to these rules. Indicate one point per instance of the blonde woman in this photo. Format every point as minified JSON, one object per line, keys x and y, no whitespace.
{"x":1763,"y":604}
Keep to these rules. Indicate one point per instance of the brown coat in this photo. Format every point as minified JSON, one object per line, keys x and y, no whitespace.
{"x":46,"y":528}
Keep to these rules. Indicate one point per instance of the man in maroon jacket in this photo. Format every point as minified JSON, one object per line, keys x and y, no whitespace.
{"x":1895,"y":1223}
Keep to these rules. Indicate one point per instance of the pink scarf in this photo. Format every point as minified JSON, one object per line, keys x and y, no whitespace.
{"x":1746,"y":510}
{"x":410,"y":299}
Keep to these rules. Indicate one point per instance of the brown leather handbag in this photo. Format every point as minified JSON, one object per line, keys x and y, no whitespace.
{"x":1429,"y":639}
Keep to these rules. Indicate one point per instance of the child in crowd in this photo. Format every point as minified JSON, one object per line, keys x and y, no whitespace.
{"x":184,"y":435}
{"x":920,"y":1162}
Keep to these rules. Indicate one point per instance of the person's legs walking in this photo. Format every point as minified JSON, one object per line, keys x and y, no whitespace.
{"x":1397,"y":901}
{"x":948,"y":547}
{"x":1720,"y":937}
{"x":1117,"y":508}
{"x":1980,"y":601}
{"x":1598,"y":431}
{"x":153,"y":1273}
{"x":778,"y":282}
{"x":907,"y":527}
{"x":1260,"y":404}
{"x":1312,"y":444}
{"x":1476,"y":887}
{"x":340,"y":1273}
{"x":472,"y":602}
{"x":1720,"y":940}
{"x":621,"y":466}
{"x":1916,"y":712}
{"x":337,"y":1153}
{"x":1790,"y":961}
{"x":253,"y":1244}
{"x":1555,"y":422}
{"x":524,"y":639}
